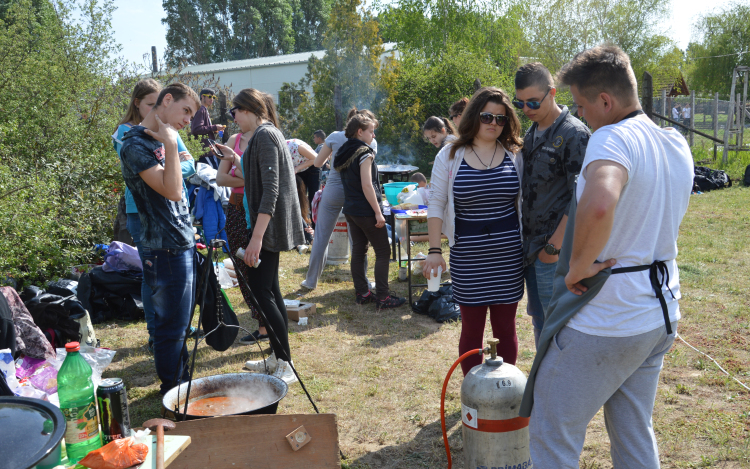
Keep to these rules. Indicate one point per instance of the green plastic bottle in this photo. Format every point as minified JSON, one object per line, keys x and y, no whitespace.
{"x":75,"y":389}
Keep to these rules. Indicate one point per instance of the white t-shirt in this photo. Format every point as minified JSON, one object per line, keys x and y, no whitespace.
{"x":647,"y":220}
{"x":686,"y":113}
{"x":675,"y":113}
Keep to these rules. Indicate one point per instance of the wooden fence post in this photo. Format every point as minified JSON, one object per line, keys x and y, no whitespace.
{"x":716,"y":120}
{"x":223,"y":115}
{"x":663,"y":107}
{"x":743,"y":109}
{"x":692,"y":119}
{"x":648,"y":95}
{"x":154,"y":63}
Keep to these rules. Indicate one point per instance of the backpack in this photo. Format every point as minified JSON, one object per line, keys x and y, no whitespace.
{"x":707,"y":179}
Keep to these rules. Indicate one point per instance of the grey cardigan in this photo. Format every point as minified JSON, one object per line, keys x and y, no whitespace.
{"x":271,"y":188}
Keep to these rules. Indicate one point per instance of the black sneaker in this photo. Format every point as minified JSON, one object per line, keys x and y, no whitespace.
{"x":364,"y":299}
{"x":390,"y":301}
{"x":253,"y":338}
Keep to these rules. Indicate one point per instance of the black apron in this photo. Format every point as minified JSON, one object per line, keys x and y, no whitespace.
{"x":565,"y":304}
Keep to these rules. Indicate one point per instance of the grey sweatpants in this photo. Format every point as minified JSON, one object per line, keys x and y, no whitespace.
{"x":579,"y":374}
{"x":329,"y":207}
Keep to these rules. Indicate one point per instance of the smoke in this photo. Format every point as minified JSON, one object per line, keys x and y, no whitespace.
{"x":388,"y":155}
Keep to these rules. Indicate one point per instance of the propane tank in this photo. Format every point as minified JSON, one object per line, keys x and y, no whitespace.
{"x":493,"y":433}
{"x":338,"y":246}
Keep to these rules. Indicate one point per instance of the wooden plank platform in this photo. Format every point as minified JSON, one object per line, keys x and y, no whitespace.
{"x":258,"y":442}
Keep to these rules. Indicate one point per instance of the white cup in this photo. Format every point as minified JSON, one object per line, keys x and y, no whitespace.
{"x":433,"y":283}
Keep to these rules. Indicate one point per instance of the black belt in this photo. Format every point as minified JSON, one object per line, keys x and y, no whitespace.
{"x":658,"y":267}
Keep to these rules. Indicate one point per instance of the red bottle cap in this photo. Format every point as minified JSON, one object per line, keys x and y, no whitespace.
{"x":72,"y":347}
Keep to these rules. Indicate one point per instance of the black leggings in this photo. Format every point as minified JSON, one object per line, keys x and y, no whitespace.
{"x":264,"y":283}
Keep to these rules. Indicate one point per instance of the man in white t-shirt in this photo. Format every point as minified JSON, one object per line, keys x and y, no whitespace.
{"x":632,"y":193}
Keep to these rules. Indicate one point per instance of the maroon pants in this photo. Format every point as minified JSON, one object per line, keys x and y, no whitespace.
{"x":503,"y":321}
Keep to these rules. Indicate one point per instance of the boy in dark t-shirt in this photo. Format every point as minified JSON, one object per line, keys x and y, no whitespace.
{"x":151,"y":169}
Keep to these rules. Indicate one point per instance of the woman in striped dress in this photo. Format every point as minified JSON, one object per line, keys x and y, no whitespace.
{"x":475,"y":202}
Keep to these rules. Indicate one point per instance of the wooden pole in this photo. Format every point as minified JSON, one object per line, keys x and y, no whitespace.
{"x":738,"y":119}
{"x":692,"y":119}
{"x":223,"y":115}
{"x":743,"y":108}
{"x":648,"y":95}
{"x":716,"y":120}
{"x":337,"y":108}
{"x":663,"y":106}
{"x":154,"y":62}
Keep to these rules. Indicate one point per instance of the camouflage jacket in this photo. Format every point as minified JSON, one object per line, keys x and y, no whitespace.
{"x":551,"y":166}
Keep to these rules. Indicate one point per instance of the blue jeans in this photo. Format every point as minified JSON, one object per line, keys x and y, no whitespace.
{"x":134,"y":227}
{"x":539,"y":277}
{"x":171,"y":274}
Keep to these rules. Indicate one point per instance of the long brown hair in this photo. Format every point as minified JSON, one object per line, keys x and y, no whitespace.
{"x":273,"y":116}
{"x":438,"y":124}
{"x":142,"y":89}
{"x":510,"y":137}
{"x":254,"y":101}
{"x":304,"y":204}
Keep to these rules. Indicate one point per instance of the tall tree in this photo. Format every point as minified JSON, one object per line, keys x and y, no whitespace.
{"x":722,"y":43}
{"x":558,"y":29}
{"x":203,"y":31}
{"x":429,"y":27}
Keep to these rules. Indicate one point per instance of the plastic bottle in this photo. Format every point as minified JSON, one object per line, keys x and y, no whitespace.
{"x":78,"y":404}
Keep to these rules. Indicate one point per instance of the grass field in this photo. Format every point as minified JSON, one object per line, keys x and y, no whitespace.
{"x":381,"y":372}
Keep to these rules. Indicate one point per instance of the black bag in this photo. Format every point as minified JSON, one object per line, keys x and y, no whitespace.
{"x":223,"y":337}
{"x":746,"y":179}
{"x":708,"y":179}
{"x":109,"y":295}
{"x":438,"y":305}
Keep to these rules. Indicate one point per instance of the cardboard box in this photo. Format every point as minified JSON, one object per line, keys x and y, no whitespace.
{"x":304,"y":310}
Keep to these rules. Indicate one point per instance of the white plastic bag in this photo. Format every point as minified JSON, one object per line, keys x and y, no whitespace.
{"x":405,"y":193}
{"x":225,"y":281}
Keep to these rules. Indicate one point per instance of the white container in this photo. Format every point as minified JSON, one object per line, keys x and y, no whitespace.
{"x":338,"y":246}
{"x":433,"y":283}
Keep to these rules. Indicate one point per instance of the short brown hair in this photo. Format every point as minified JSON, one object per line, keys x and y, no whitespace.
{"x":510,"y":137}
{"x":178,"y":91}
{"x":601,"y":69}
{"x":418,"y":177}
{"x":534,"y":74}
{"x":360,"y":120}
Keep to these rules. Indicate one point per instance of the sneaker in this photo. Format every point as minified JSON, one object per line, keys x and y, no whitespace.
{"x":194,"y":332}
{"x":259,"y":366}
{"x":390,"y":301}
{"x":306,"y":286}
{"x":253,"y":338}
{"x":302,"y":248}
{"x":285,"y":372}
{"x":364,"y":299}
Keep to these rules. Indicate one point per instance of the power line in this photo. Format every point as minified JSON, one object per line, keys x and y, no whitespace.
{"x":715,"y":56}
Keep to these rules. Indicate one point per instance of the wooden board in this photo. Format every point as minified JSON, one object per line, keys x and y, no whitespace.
{"x":258,"y":442}
{"x":173,"y":446}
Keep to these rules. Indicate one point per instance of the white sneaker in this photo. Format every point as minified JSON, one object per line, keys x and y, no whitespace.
{"x":285,"y":372}
{"x":306,"y":286}
{"x":302,"y":248}
{"x":259,"y":366}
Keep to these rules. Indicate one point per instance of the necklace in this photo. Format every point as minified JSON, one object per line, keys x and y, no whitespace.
{"x":480,"y":159}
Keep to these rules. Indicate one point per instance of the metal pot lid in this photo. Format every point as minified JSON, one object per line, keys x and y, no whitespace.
{"x":29,"y":430}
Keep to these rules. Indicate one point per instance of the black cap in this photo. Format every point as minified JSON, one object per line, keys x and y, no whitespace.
{"x":208,"y":92}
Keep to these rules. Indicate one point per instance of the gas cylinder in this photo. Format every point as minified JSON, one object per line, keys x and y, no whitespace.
{"x":494,"y":436}
{"x":338,"y":246}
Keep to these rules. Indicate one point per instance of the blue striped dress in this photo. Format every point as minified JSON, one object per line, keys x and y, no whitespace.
{"x":486,"y":260}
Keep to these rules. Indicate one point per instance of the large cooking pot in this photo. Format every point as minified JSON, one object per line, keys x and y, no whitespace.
{"x":30,"y":431}
{"x":255,"y":393}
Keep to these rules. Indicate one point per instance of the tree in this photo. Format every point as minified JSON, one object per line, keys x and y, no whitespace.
{"x":722,"y":43}
{"x":204,"y":31}
{"x":352,"y":62}
{"x":558,"y":29}
{"x":430,"y":27}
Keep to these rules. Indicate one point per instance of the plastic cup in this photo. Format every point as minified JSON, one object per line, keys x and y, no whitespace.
{"x":433,"y":283}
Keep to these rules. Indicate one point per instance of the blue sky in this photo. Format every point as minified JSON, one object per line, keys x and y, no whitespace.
{"x":137,"y":24}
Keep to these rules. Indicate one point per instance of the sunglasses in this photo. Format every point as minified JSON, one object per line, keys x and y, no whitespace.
{"x":233,"y":110}
{"x":486,"y":118}
{"x":531,"y":104}
{"x":211,"y":96}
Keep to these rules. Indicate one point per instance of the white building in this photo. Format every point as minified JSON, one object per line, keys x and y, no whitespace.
{"x":266,"y":74}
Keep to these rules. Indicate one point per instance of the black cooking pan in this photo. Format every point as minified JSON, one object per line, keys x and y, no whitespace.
{"x":30,"y":429}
